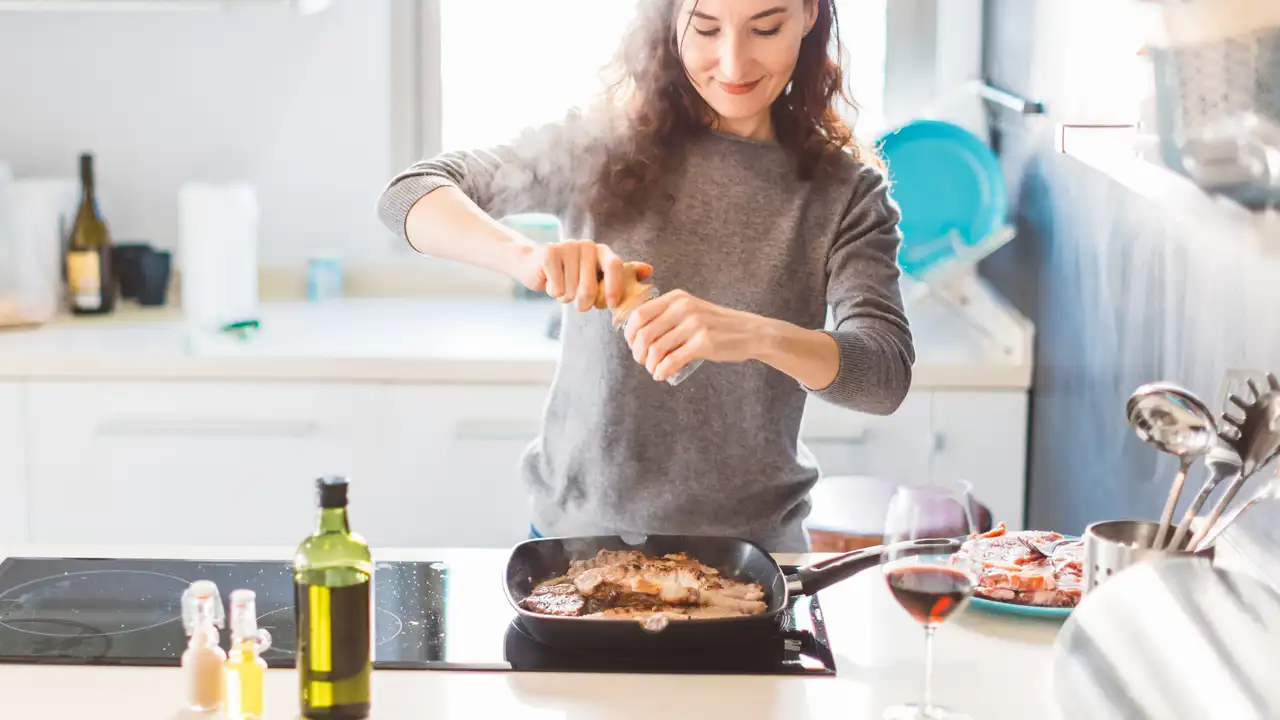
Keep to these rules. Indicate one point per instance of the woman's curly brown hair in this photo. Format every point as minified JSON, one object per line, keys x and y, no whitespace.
{"x":661,"y":109}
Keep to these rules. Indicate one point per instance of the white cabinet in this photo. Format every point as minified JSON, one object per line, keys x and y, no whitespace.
{"x":455,"y":452}
{"x":196,"y":463}
{"x":982,"y":438}
{"x":895,"y":447}
{"x":979,"y":437}
{"x":13,"y":465}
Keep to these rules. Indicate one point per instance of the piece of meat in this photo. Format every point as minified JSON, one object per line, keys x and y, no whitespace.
{"x":562,"y":599}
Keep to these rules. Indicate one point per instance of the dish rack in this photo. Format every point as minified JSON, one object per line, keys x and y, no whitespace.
{"x":1216,"y":67}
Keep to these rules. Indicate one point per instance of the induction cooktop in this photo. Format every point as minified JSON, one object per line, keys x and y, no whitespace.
{"x":429,"y":616}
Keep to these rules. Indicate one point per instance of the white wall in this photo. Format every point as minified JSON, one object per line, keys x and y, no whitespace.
{"x":298,"y":105}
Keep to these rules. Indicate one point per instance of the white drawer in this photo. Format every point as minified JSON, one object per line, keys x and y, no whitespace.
{"x":198,"y":463}
{"x":895,"y":447}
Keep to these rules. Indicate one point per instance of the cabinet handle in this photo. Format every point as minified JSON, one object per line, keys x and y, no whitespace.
{"x":143,"y":426}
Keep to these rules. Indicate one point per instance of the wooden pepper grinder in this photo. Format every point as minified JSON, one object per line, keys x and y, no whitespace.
{"x":634,"y":293}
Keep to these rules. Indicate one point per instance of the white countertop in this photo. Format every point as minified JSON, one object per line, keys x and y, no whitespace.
{"x":990,"y":666}
{"x":430,"y":339}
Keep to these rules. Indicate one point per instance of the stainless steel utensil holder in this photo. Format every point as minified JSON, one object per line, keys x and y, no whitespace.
{"x":1114,"y":545}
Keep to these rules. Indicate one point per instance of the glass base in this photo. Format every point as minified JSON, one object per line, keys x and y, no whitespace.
{"x":915,"y":711}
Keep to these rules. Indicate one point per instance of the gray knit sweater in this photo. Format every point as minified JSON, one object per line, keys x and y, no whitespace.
{"x":720,"y":453}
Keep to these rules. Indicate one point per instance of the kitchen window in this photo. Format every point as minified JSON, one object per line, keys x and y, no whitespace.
{"x":464,"y":79}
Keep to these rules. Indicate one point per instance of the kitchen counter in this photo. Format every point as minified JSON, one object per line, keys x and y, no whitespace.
{"x":990,"y":666}
{"x":432,"y":339}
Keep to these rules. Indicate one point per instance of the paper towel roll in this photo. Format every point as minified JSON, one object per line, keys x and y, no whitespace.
{"x":218,"y":253}
{"x":40,"y":213}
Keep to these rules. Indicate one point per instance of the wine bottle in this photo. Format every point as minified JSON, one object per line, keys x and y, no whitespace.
{"x":333,"y":606}
{"x":90,"y":277}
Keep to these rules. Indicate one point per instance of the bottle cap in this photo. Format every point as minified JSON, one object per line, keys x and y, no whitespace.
{"x":332,"y":490}
{"x":244,"y":619}
{"x":201,"y":603}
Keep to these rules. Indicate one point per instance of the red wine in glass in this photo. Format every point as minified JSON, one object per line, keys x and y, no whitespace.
{"x":930,"y":585}
{"x":928,"y":592}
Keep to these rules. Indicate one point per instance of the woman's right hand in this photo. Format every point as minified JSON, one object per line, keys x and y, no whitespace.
{"x":570,"y":271}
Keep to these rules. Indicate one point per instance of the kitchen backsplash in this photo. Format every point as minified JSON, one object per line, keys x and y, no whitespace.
{"x":298,"y":106}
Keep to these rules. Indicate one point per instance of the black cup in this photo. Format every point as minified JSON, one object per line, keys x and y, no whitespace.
{"x":154,"y":268}
{"x":124,"y":260}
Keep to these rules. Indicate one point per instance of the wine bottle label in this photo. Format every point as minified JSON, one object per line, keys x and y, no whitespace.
{"x":84,"y":279}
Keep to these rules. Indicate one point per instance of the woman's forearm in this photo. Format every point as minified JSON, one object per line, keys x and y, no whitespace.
{"x":445,"y":223}
{"x":809,"y":356}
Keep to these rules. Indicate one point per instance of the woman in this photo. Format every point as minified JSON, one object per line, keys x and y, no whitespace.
{"x":718,"y":166}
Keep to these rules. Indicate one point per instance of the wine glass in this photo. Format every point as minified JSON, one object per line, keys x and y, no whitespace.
{"x":929,"y":582}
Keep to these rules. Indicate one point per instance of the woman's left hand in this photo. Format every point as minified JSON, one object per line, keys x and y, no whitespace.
{"x":676,"y":328}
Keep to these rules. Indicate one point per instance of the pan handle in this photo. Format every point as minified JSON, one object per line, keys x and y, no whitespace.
{"x":810,"y":579}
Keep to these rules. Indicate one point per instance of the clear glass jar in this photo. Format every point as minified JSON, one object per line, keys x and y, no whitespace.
{"x":628,"y":306}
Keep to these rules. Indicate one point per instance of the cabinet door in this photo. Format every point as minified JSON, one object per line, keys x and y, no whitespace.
{"x":896,"y":447}
{"x":194,"y":463}
{"x":982,"y":438}
{"x":456,"y":450}
{"x":13,"y":464}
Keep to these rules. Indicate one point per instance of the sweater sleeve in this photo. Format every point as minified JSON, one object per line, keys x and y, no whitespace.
{"x":869,"y":323}
{"x":542,"y":170}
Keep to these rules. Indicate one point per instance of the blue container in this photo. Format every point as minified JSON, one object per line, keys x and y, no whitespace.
{"x":950,"y":188}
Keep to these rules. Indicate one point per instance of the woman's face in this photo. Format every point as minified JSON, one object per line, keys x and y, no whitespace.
{"x":740,"y":55}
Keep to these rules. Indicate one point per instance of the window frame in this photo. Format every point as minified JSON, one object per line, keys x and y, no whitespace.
{"x":932,"y":46}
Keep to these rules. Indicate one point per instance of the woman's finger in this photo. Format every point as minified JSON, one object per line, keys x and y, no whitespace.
{"x":655,"y":332}
{"x":615,"y":278}
{"x":553,"y":270}
{"x":572,"y":259}
{"x":651,"y":309}
{"x":669,"y":342}
{"x":588,"y":285}
{"x":676,"y":359}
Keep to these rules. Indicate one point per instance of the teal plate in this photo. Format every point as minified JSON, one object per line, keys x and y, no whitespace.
{"x":995,"y":606}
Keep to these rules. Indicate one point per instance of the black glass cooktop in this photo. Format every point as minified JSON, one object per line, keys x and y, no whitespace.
{"x":430,"y":616}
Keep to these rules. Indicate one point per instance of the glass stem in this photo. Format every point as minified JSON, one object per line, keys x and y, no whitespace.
{"x":928,"y":671}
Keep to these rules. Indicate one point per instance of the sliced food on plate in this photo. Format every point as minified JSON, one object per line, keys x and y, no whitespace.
{"x":1014,"y":570}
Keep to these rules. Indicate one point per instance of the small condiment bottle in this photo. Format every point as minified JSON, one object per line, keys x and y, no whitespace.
{"x":202,"y":662}
{"x":246,"y":670}
{"x":634,"y":294}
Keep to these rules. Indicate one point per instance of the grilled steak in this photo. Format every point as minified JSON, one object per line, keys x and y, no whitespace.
{"x":626,"y":584}
{"x":562,"y":599}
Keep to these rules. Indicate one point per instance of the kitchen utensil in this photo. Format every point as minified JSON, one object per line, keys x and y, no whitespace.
{"x":536,"y":560}
{"x":950,"y":187}
{"x":1270,"y":491}
{"x":1114,"y":545}
{"x":1045,"y":549}
{"x":1222,"y":462}
{"x":1179,"y":638}
{"x":1176,"y":422}
{"x":1255,"y":436}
